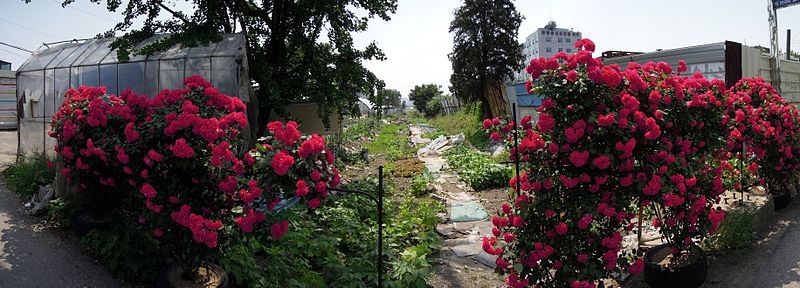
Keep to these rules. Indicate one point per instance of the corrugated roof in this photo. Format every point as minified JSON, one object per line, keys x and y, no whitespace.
{"x":96,"y":51}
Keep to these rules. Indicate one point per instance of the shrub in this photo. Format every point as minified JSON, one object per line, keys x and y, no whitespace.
{"x":25,"y":176}
{"x":736,"y":232}
{"x":60,"y":211}
{"x":479,"y":171}
{"x":128,"y":251}
{"x":606,"y":141}
{"x":419,"y":184}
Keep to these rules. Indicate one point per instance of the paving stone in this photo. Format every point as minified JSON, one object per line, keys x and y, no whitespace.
{"x":466,"y":250}
{"x":485,"y":258}
{"x":467,"y":211}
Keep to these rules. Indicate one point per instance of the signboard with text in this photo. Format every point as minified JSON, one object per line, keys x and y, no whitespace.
{"x":778,"y":4}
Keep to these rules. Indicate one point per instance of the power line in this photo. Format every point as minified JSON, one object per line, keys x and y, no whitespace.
{"x":29,"y":29}
{"x":87,"y":12}
{"x":12,"y":52}
{"x":15,"y":47}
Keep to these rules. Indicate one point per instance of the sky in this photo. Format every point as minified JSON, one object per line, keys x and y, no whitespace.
{"x":416,"y":40}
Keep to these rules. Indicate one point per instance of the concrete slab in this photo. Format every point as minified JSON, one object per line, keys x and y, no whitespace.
{"x":467,"y":211}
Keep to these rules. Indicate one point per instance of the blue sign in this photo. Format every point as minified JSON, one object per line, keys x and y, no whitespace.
{"x":777,"y":4}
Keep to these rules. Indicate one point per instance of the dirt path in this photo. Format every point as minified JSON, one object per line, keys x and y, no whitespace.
{"x":32,"y":255}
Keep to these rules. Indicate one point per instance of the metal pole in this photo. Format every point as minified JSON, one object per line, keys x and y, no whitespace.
{"x":516,"y":147}
{"x":788,"y":44}
{"x":380,"y":226}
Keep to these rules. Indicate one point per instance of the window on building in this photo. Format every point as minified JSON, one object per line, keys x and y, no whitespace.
{"x":569,"y":50}
{"x":547,"y":39}
{"x":560,"y":49}
{"x":549,"y":49}
{"x":569,"y":40}
{"x":560,"y":39}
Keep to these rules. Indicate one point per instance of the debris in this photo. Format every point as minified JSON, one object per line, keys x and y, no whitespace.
{"x":40,"y":200}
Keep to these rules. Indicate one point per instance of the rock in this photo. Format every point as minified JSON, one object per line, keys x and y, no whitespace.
{"x":445,"y":229}
{"x":497,"y":149}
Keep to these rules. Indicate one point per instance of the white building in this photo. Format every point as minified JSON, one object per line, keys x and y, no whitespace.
{"x":546,"y":42}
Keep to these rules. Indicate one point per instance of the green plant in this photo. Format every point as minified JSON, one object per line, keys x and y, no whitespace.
{"x":128,"y":251}
{"x":25,"y":176}
{"x":479,"y":171}
{"x":419,"y":184}
{"x":406,"y":167}
{"x":736,"y":231}
{"x":60,"y":211}
{"x":467,"y":121}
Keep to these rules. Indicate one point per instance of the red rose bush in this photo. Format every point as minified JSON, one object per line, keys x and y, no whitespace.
{"x":608,"y":141}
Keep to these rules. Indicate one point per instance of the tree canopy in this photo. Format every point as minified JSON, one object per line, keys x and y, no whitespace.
{"x":485,"y":48}
{"x":298,"y":50}
{"x":385,"y":98}
{"x":422,"y":94}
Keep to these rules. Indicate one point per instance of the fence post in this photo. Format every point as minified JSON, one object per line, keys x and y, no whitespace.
{"x":380,"y":226}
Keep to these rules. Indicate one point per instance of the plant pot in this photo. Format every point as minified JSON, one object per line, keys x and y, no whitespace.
{"x":85,"y":221}
{"x":782,"y":200}
{"x":691,"y":274}
{"x":211,"y":276}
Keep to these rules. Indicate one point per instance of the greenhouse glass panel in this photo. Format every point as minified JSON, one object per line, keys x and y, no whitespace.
{"x":40,"y":60}
{"x":98,"y":54}
{"x":151,"y":78}
{"x":30,"y":87}
{"x":61,"y":85}
{"x":200,"y":66}
{"x":75,"y":77}
{"x":171,"y":74}
{"x":231,"y":45}
{"x":88,"y":76}
{"x":223,"y":75}
{"x":131,"y":76}
{"x":66,"y":60}
{"x":90,"y":48}
{"x":66,"y":52}
{"x":49,"y":94}
{"x":108,"y":78}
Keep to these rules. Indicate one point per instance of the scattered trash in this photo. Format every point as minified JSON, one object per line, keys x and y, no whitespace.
{"x":440,"y":144}
{"x":40,"y":200}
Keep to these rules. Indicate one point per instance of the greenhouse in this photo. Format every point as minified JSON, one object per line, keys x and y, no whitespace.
{"x":44,"y":78}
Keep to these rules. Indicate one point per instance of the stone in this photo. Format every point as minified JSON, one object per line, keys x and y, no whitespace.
{"x":466,"y":250}
{"x":485,"y":258}
{"x":445,"y":229}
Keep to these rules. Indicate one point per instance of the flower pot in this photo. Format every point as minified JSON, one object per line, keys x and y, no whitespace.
{"x":782,"y":200}
{"x":690,"y":273}
{"x":86,"y":221}
{"x":210,"y":276}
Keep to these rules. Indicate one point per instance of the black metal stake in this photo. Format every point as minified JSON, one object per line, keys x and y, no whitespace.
{"x":380,"y":226}
{"x":516,"y":147}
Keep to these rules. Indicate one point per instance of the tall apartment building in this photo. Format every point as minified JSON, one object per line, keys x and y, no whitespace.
{"x":546,"y":42}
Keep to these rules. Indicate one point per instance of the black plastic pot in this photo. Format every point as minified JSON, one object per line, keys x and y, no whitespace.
{"x":170,"y":277}
{"x":690,"y":275}
{"x":85,"y":222}
{"x":783,"y":200}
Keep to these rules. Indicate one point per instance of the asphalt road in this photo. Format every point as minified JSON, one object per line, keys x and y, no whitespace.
{"x":34,"y":255}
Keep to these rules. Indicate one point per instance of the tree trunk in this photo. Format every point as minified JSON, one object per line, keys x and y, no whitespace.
{"x":486,"y":110}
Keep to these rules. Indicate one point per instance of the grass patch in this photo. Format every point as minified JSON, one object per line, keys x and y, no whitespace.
{"x":393,"y":142}
{"x":25,"y":176}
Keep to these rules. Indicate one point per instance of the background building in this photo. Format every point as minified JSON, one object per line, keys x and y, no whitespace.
{"x":8,"y":96}
{"x":546,"y":42}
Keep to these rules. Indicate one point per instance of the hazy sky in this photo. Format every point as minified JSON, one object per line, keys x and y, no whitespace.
{"x":416,"y":40}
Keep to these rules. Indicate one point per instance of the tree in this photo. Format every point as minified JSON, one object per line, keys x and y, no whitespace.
{"x":485,"y":48}
{"x":384,"y":98}
{"x":422,"y":94}
{"x":290,"y":58}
